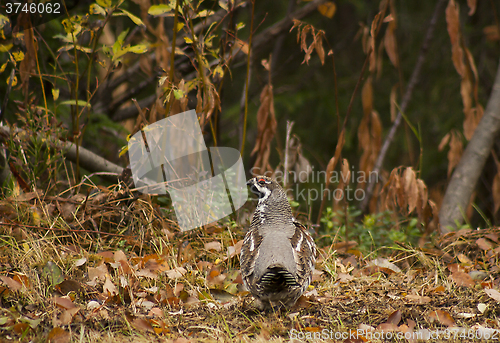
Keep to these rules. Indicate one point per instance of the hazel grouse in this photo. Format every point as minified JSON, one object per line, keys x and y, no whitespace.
{"x":278,"y":254}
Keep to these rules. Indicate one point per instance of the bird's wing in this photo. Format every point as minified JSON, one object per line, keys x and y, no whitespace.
{"x":250,"y":252}
{"x":304,"y":252}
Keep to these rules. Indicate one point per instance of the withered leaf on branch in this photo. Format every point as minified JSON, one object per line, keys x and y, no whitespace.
{"x":266,"y":126}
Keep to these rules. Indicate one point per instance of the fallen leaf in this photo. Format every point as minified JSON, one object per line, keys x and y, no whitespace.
{"x":63,"y":302}
{"x":52,"y":273}
{"x":464,"y":259}
{"x":443,"y":317}
{"x":384,"y":263}
{"x":98,"y":272}
{"x":454,"y":267}
{"x":58,"y":335}
{"x":12,"y":284}
{"x":142,"y":325}
{"x":493,"y":294}
{"x":146,"y":273}
{"x":462,"y":279}
{"x":213,"y":246}
{"x":484,"y":244}
{"x":394,"y":318}
{"x":80,"y":262}
{"x":109,"y":287}
{"x":66,"y":317}
{"x":344,"y":278}
{"x":176,"y":272}
{"x":438,"y":289}
{"x":68,"y":286}
{"x":235,"y":249}
{"x":387,"y":327}
{"x":418,"y":299}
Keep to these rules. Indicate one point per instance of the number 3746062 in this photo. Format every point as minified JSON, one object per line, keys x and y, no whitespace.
{"x":33,"y":8}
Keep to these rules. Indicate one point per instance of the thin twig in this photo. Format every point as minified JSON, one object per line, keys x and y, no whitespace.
{"x":289,"y":125}
{"x":406,"y":99}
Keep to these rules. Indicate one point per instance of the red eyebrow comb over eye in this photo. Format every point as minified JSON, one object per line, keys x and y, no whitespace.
{"x":262,"y":180}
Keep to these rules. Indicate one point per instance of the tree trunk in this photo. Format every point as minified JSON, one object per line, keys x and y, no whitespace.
{"x":464,"y":178}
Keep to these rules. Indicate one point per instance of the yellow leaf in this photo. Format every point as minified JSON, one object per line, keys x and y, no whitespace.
{"x":2,"y":68}
{"x":55,"y":93}
{"x":188,"y":40}
{"x":204,"y":13}
{"x":327,"y":9}
{"x":223,"y":4}
{"x":138,"y":49}
{"x":218,"y":72}
{"x":96,"y":9}
{"x":180,"y":26}
{"x":104,"y":3}
{"x":14,"y":81}
{"x":123,"y":150}
{"x":137,"y":21}
{"x":178,"y":51}
{"x":6,"y":47}
{"x":159,"y":9}
{"x":162,"y":80}
{"x":18,"y":56}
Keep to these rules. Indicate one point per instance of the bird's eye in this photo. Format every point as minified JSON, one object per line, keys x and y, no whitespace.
{"x":262,"y":182}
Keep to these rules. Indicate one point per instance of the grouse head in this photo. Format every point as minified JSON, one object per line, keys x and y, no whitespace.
{"x":267,"y":189}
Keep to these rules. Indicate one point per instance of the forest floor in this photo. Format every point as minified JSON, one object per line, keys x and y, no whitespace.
{"x":112,"y":267}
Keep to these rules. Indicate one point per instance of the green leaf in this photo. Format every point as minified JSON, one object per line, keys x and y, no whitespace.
{"x":240,"y":26}
{"x":104,"y":3}
{"x":73,"y":103}
{"x":134,"y":18}
{"x":178,"y":93}
{"x":122,"y":36}
{"x":6,"y":47}
{"x":96,"y":9}
{"x":53,"y":273}
{"x":138,"y":49}
{"x":204,"y":13}
{"x":159,"y":9}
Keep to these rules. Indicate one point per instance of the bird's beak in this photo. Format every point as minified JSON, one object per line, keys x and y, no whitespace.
{"x":250,"y":182}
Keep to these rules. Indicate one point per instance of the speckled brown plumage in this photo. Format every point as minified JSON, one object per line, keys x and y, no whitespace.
{"x":278,"y":254}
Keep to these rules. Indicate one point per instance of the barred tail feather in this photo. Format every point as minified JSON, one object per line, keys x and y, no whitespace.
{"x":277,"y":279}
